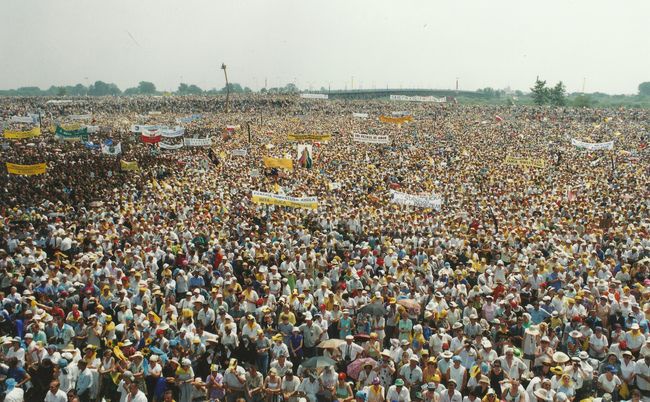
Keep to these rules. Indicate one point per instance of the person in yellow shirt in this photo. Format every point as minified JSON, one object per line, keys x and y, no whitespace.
{"x":286,"y":312}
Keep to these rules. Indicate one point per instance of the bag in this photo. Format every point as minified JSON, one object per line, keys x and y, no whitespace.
{"x":624,"y":391}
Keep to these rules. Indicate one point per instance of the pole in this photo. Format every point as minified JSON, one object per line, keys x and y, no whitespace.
{"x":248,"y":126}
{"x":225,"y":73}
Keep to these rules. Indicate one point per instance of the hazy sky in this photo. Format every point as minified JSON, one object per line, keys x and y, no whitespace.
{"x":360,"y":43}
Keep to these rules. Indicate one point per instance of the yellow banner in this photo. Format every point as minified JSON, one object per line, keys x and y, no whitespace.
{"x":259,"y":197}
{"x":526,"y":162}
{"x":17,"y":135}
{"x":26,"y":170}
{"x":395,"y":120}
{"x":281,"y":163}
{"x":129,"y":165}
{"x":309,"y":137}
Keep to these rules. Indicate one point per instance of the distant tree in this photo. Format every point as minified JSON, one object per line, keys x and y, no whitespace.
{"x":132,"y":91}
{"x":194,"y":90}
{"x":644,"y":88}
{"x":247,"y":90}
{"x":182,"y":89}
{"x":101,"y":88}
{"x":323,"y":89}
{"x":291,"y":88}
{"x":557,"y":95}
{"x":583,"y":101}
{"x":488,"y":92}
{"x":234,"y":88}
{"x":263,"y":90}
{"x":519,"y":93}
{"x":61,"y":91}
{"x":540,"y":92}
{"x":147,"y":88}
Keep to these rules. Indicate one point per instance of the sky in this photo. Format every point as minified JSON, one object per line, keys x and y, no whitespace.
{"x":603,"y":45}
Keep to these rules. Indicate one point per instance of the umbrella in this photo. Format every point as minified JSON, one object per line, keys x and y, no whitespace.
{"x":331,"y":343}
{"x":373,"y":309}
{"x":410,"y":304}
{"x":318,"y":362}
{"x":356,"y":366}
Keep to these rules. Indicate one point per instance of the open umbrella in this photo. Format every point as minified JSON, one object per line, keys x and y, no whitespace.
{"x":373,"y":309}
{"x":356,"y":366}
{"x":318,"y":362}
{"x":331,"y":343}
{"x":409,"y":304}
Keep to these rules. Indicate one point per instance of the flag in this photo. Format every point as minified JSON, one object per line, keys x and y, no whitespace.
{"x":304,"y":156}
{"x":110,"y":149}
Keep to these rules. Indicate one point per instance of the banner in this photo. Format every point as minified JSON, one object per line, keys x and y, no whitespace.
{"x":154,"y":113}
{"x":172,"y":133}
{"x":284,"y":200}
{"x":309,"y":137}
{"x":526,"y":162}
{"x":162,"y":145}
{"x":395,"y":120}
{"x":422,"y":201}
{"x":592,"y":146}
{"x":281,"y":163}
{"x":26,"y":170}
{"x":198,"y":142}
{"x":136,"y":128}
{"x":150,"y":136}
{"x":92,"y":129}
{"x":80,"y":116}
{"x":305,"y":155}
{"x":239,"y":152}
{"x":314,"y":96}
{"x":129,"y":166}
{"x":370,"y":138}
{"x":110,"y":149}
{"x":80,"y":134}
{"x":189,"y":119}
{"x":17,"y":135}
{"x":24,"y":119}
{"x":360,"y":115}
{"x":334,"y":185}
{"x":418,"y":98}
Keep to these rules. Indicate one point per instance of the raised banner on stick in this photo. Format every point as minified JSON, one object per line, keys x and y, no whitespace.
{"x":405,"y":98}
{"x":314,"y":96}
{"x":592,"y":146}
{"x":422,"y":201}
{"x":526,"y":162}
{"x":260,"y":197}
{"x":395,"y":120}
{"x":26,"y":170}
{"x":370,"y":138}
{"x":309,"y":137}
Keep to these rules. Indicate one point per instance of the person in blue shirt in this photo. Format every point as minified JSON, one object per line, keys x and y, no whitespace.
{"x":84,"y":382}
{"x":196,"y":281}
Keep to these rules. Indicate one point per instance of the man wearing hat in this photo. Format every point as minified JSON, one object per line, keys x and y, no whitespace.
{"x":451,"y":394}
{"x":311,"y":335}
{"x":350,"y":350}
{"x":398,"y":392}
{"x":412,"y":373}
{"x":234,"y":380}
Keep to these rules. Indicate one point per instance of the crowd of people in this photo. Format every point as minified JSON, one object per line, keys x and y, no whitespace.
{"x":525,"y":284}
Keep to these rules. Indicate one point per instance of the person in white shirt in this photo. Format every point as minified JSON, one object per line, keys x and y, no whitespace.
{"x":451,"y":394}
{"x":135,"y":395}
{"x":350,"y":350}
{"x":55,"y":394}
{"x":398,"y":392}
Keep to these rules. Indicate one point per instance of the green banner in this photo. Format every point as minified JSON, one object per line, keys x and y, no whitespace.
{"x":80,"y":134}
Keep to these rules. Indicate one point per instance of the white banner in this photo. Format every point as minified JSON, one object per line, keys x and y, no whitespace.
{"x":255,"y":172}
{"x":334,"y":185}
{"x":260,"y":197}
{"x":400,"y":114}
{"x":593,"y":146}
{"x":23,"y":119}
{"x":370,"y":138}
{"x":239,"y":152}
{"x":162,"y":145}
{"x":92,"y":129}
{"x":172,"y":133}
{"x":314,"y":96}
{"x":112,"y":149}
{"x":137,"y":128}
{"x":198,"y":142}
{"x":154,"y":113}
{"x":422,"y":201}
{"x":418,"y":98}
{"x":80,"y":116}
{"x":360,"y":115}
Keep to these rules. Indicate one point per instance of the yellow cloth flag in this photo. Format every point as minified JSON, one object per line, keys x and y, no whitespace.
{"x":17,"y":135}
{"x":282,"y":163}
{"x":26,"y":170}
{"x":129,"y":165}
{"x":395,"y":120}
{"x":307,"y":137}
